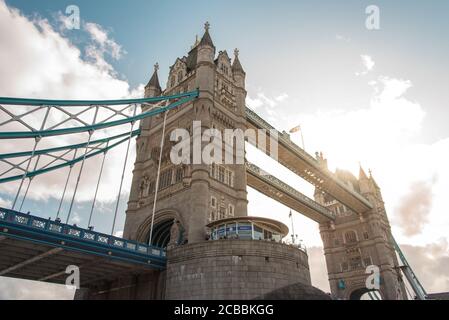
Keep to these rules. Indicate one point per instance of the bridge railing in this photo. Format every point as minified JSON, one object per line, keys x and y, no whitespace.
{"x":288,"y":189}
{"x":55,"y":227}
{"x":304,"y":155}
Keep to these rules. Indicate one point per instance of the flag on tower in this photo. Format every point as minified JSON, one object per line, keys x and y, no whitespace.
{"x":295,"y":129}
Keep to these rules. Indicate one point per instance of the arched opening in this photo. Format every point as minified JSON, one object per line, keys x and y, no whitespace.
{"x":365,"y":294}
{"x":161,"y":233}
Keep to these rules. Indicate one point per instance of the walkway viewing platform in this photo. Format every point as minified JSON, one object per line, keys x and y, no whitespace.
{"x":306,"y":166}
{"x":287,"y":195}
{"x":35,"y":248}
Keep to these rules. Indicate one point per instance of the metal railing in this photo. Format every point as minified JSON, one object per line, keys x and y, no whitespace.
{"x":252,"y":168}
{"x":251,"y":115}
{"x":51,"y":228}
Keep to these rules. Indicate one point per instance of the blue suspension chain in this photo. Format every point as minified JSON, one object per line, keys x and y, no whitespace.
{"x":81,"y":168}
{"x":123,"y":172}
{"x":65,"y":187}
{"x":98,"y":184}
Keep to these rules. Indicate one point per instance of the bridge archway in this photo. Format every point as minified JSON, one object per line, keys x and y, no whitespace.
{"x":161,"y":233}
{"x":163,"y":222}
{"x":365,"y":294}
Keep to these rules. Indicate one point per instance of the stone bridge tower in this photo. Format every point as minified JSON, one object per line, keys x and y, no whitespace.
{"x":191,"y":194}
{"x":357,"y":240}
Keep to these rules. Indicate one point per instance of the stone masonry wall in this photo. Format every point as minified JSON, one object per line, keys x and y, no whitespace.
{"x":233,"y":269}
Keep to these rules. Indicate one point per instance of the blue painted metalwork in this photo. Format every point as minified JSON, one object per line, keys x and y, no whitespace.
{"x":72,"y":146}
{"x":27,"y":227}
{"x":62,"y":165}
{"x":188,"y":96}
{"x":72,"y":103}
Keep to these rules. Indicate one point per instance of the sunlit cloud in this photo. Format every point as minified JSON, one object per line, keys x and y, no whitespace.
{"x":368,"y":64}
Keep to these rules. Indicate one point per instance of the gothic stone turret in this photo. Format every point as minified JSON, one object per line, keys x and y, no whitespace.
{"x":357,"y":240}
{"x":191,"y":195}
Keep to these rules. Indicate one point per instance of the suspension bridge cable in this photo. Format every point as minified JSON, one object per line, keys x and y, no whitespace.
{"x":157,"y":177}
{"x":65,"y":187}
{"x":38,"y":138}
{"x":98,"y":183}
{"x":123,"y":173}
{"x":78,"y":178}
{"x":29,"y":183}
{"x":25,"y":173}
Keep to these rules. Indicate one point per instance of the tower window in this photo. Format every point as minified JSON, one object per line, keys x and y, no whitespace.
{"x":367,"y":261}
{"x":213,"y":202}
{"x":222,"y":212}
{"x":350,"y":237}
{"x":165,"y":179}
{"x":230,"y":210}
{"x":179,"y":174}
{"x":356,"y":263}
{"x":221,"y":174}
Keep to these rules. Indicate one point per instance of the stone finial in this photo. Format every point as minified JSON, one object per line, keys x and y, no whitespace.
{"x":207,"y":26}
{"x":236,"y":52}
{"x":156,"y":67}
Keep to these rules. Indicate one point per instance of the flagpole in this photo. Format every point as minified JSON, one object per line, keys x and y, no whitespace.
{"x":302,"y":139}
{"x":293,"y":228}
{"x":296,"y":129}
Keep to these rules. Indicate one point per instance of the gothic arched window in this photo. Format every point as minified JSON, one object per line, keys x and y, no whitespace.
{"x":350,"y":237}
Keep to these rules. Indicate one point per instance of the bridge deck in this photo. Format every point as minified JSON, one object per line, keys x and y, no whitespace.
{"x":307,"y":167}
{"x":38,"y":249}
{"x":285,"y":194}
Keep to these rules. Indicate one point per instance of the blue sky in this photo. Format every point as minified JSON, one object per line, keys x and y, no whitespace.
{"x":378,"y":97}
{"x":272,"y":35}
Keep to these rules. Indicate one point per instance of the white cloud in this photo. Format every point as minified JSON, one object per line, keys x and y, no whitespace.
{"x":340,"y":37}
{"x":42,"y":63}
{"x":19,"y":289}
{"x":101,"y":38}
{"x":383,"y":137}
{"x":368,"y":64}
{"x":5,"y":203}
{"x":118,"y":233}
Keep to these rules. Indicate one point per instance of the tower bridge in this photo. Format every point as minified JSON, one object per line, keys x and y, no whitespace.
{"x":167,"y":250}
{"x":307,"y":167}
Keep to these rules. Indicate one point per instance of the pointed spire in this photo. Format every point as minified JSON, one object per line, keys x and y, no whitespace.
{"x":236,"y":65}
{"x":154,"y":81}
{"x":206,"y":40}
{"x":372,"y":179}
{"x":362,"y":174}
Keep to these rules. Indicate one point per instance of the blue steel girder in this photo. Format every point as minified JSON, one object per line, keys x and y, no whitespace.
{"x":29,"y":228}
{"x":67,"y":158}
{"x":68,"y":109}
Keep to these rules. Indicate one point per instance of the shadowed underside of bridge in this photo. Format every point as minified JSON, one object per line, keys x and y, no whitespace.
{"x":38,"y":249}
{"x":26,"y":260}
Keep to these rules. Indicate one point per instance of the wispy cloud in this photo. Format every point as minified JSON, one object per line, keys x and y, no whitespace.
{"x":51,"y":66}
{"x":341,"y":37}
{"x":5,"y":203}
{"x":368,"y":63}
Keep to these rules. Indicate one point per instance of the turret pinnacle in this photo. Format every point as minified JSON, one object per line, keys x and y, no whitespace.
{"x":362,"y":174}
{"x":372,"y":179}
{"x":236,"y":65}
{"x":206,"y":40}
{"x":154,"y":81}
